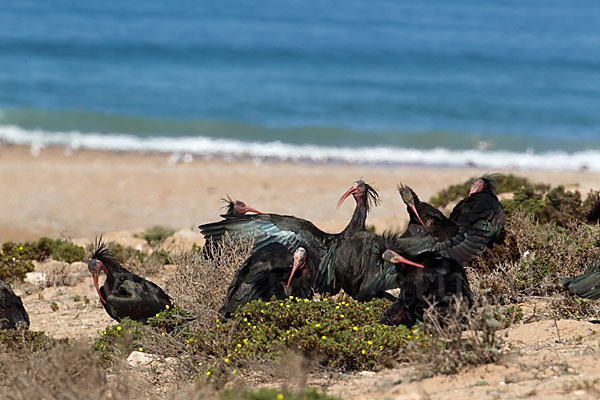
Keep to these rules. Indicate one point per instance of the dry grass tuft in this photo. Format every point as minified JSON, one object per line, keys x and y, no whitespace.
{"x":63,"y":372}
{"x":463,"y":337}
{"x":199,"y":285}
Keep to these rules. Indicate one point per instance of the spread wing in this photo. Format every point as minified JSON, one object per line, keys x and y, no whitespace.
{"x":265,"y":229}
{"x":461,"y":244}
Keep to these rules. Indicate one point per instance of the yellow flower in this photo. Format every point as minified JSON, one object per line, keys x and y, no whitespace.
{"x":141,"y":349}
{"x":239,"y":345}
{"x":262,"y":311}
{"x":99,"y":330}
{"x":118,"y":328}
{"x":104,"y":332}
{"x":323,"y":337}
{"x":363,"y":352}
{"x":354,"y":328}
{"x":234,"y":371}
{"x":253,"y":326}
{"x":281,"y":304}
{"x":367,"y":308}
{"x":249,"y":324}
{"x":306,"y":300}
{"x":370,"y":342}
{"x":337,"y":307}
{"x":187,"y":341}
{"x":279,"y":396}
{"x":317,"y":325}
{"x":156,"y":315}
{"x":267,"y":303}
{"x":245,"y":319}
{"x":325,"y":299}
{"x":380,"y":347}
{"x":200,"y":363}
{"x":291,"y":297}
{"x":226,"y":360}
{"x":167,"y":306}
{"x":245,"y":340}
{"x":342,"y":316}
{"x":207,"y":373}
{"x":163,"y":334}
{"x":342,"y":291}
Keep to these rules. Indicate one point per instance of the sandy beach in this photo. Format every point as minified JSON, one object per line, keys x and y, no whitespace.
{"x":84,"y":193}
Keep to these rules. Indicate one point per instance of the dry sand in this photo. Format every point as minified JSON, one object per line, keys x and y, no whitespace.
{"x":89,"y":192}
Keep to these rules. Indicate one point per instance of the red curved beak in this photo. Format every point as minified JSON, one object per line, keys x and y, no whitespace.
{"x":95,"y":273}
{"x":395,"y":258}
{"x":412,"y":207}
{"x":295,"y":267}
{"x":472,"y":190}
{"x":254,"y":210}
{"x":345,"y":195}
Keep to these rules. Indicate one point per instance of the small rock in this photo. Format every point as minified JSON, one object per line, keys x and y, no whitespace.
{"x":35,"y":277}
{"x":140,"y":359}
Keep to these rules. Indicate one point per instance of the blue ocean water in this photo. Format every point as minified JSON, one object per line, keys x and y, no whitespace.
{"x":498,"y":83}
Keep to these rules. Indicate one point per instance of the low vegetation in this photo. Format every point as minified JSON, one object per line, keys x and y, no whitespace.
{"x":156,"y":234}
{"x":16,"y":259}
{"x":198,"y":355}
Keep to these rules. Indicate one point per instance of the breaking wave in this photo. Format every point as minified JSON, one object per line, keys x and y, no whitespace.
{"x":202,"y":146}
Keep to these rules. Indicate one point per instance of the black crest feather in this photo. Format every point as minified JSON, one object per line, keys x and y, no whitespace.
{"x":372,"y":197}
{"x":102,"y":251}
{"x":228,"y":205}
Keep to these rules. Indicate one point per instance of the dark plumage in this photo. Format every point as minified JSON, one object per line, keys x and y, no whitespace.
{"x":481,"y":209}
{"x":125,"y":294}
{"x":586,"y":285}
{"x":12,"y":312}
{"x":464,"y":243}
{"x":349,"y":260}
{"x":593,"y":216}
{"x":231,"y":207}
{"x":293,"y":232}
{"x":438,"y":283}
{"x":266,"y":273}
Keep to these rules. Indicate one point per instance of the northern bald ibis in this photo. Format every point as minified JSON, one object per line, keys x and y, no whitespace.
{"x":437,"y":283}
{"x":272,"y":271}
{"x":586,"y":285}
{"x":349,"y":260}
{"x":466,"y":242}
{"x":124,"y":294}
{"x":481,"y":209}
{"x":12,"y":312}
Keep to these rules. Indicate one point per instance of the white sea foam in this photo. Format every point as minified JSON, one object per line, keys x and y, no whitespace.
{"x":205,"y":146}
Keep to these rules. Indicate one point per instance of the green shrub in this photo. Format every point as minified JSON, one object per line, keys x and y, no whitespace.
{"x":120,"y":339}
{"x":156,"y":234}
{"x":16,"y":258}
{"x":275,"y":394}
{"x":15,"y":261}
{"x":169,"y":319}
{"x":58,"y":249}
{"x":342,"y":333}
